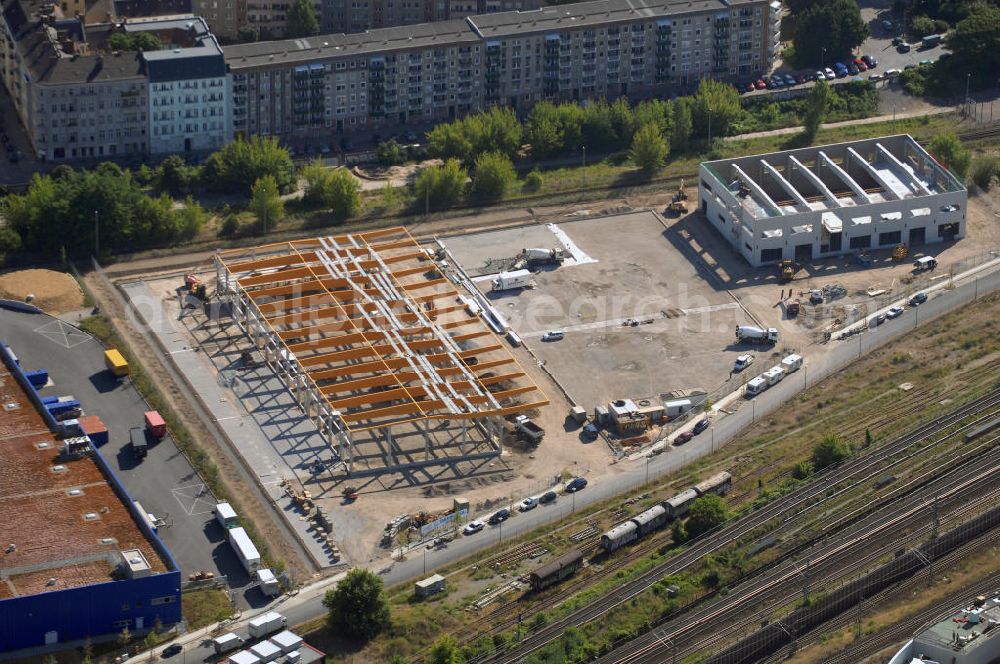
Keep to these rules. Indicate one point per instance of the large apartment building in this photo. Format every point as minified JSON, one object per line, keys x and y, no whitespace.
{"x":80,"y":99}
{"x":439,"y":71}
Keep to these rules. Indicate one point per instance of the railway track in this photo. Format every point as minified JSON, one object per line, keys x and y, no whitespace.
{"x":838,"y":559}
{"x":862,"y":468}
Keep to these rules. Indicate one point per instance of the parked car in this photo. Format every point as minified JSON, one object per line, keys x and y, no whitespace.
{"x":891,"y":74}
{"x":554,"y":335}
{"x":926,"y":62}
{"x":909,"y":67}
{"x":861,"y":65}
{"x":870,"y":60}
{"x":576,"y":484}
{"x":760,"y":84}
{"x":819,"y":75}
{"x":749,"y":87}
{"x":894,"y":312}
{"x":547,"y":497}
{"x":700,"y":426}
{"x":171,"y":650}
{"x":875,"y":77}
{"x":801,"y":78}
{"x":903,"y":47}
{"x":774,"y":82}
{"x":790,"y":80}
{"x":683,"y":438}
{"x":590,"y":431}
{"x":878,"y":320}
{"x":887,"y":25}
{"x":527,"y":504}
{"x":499,"y":516}
{"x":918,"y":299}
{"x":828,"y":73}
{"x":853,"y":70}
{"x":473,"y":527}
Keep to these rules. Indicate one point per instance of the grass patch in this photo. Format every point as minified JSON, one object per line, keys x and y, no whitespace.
{"x":204,"y":607}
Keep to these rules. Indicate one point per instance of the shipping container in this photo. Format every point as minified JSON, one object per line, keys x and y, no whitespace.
{"x":140,"y":447}
{"x":93,"y":427}
{"x":115,"y":362}
{"x":245,"y":549}
{"x":38,"y":378}
{"x":155,"y":424}
{"x":63,"y":410}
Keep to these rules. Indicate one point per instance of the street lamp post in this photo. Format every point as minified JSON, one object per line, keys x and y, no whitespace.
{"x":647,"y":470}
{"x":968,"y":79}
{"x":97,"y":235}
{"x":709,"y":127}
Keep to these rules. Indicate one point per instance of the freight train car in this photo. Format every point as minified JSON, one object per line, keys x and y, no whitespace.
{"x":719,"y":484}
{"x":555,"y":571}
{"x":679,"y":505}
{"x":652,"y":519}
{"x":619,"y":536}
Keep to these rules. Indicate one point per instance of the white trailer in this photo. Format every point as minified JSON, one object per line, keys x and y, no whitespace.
{"x":773,"y":375}
{"x":510,"y":280}
{"x":791,"y":363}
{"x":756,"y":335}
{"x":756,"y":385}
{"x":267,"y":623}
{"x":226,"y":516}
{"x":269,"y":585}
{"x":226,"y":642}
{"x":245,"y":550}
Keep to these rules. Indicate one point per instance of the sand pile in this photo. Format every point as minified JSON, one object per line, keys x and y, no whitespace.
{"x":55,"y":292}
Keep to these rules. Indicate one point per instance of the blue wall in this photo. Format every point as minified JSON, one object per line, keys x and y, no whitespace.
{"x":93,"y":610}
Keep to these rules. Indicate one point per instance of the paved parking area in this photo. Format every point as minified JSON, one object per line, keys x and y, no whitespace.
{"x":625,"y":267}
{"x":164,"y":482}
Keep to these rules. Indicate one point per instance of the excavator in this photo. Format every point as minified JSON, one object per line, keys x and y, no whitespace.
{"x":678,"y":204}
{"x":900,"y":253}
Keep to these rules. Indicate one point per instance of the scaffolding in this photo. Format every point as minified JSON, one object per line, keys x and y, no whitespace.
{"x":368,"y":334}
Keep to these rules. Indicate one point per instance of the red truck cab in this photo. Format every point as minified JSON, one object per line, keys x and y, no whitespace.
{"x":155,"y":424}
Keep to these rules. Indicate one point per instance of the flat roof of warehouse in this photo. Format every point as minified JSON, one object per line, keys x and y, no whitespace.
{"x":74,"y":538}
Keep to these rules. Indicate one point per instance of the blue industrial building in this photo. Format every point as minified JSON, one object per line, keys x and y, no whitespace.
{"x":77,"y":558}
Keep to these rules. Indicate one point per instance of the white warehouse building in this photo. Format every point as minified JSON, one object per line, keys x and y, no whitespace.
{"x":833,"y":199}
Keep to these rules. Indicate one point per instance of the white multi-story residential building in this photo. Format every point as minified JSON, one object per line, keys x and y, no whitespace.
{"x":439,"y":71}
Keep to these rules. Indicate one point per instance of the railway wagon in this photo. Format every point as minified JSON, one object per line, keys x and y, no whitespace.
{"x":619,"y":536}
{"x":555,"y":571}
{"x":652,"y":519}
{"x":719,"y":484}
{"x":679,"y":505}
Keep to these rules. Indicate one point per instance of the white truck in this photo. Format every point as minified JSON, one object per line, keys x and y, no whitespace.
{"x":773,"y":375}
{"x":543,"y":256}
{"x":791,"y":363}
{"x":226,"y":516}
{"x":924,"y":263}
{"x":510,"y":280}
{"x":266,"y":623}
{"x":245,"y":549}
{"x":226,"y":642}
{"x":742,"y":362}
{"x":756,"y":335}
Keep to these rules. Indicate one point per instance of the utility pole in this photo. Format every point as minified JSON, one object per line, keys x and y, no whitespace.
{"x":97,"y":235}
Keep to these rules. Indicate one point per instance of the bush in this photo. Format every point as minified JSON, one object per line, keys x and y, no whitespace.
{"x":533,"y":181}
{"x":230,"y":226}
{"x":802,"y":470}
{"x":831,"y":450}
{"x":390,"y":153}
{"x":984,"y":171}
{"x":948,"y":149}
{"x":941,"y":26}
{"x":334,"y":189}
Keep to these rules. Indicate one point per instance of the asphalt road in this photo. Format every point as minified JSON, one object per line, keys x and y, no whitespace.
{"x":820,"y":361}
{"x":164,"y":482}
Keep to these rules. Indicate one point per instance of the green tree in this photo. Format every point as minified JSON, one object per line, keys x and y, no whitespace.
{"x":833,"y":25}
{"x":495,"y":130}
{"x":922,"y":26}
{"x":301,"y":20}
{"x":449,"y":141}
{"x":948,"y":149}
{"x":238,"y":165}
{"x":975,"y":42}
{"x":246,"y":35}
{"x":266,"y":203}
{"x":681,"y":125}
{"x":543,"y":130}
{"x":343,"y":195}
{"x":173,"y":176}
{"x":10,"y":241}
{"x":390,"y":153}
{"x":717,"y":103}
{"x":358,"y":607}
{"x":678,"y":533}
{"x":439,"y":187}
{"x":145,"y":41}
{"x":445,"y":651}
{"x":124,"y":638}
{"x":493,"y":176}
{"x":984,"y":172}
{"x":816,"y":105}
{"x":706,"y":513}
{"x":649,"y":149}
{"x":802,"y":470}
{"x":829,"y":451}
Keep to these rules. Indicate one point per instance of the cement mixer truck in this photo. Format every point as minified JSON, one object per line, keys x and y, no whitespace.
{"x":537,"y":256}
{"x":756,"y":335}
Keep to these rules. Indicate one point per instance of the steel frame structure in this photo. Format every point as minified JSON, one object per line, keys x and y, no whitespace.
{"x":368,"y":334}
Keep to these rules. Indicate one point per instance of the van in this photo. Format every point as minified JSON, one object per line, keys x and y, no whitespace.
{"x":742,"y":362}
{"x":924,"y":263}
{"x":890,"y":74}
{"x":553,"y":335}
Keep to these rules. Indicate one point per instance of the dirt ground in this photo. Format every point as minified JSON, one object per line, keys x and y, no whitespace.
{"x":53,"y":292}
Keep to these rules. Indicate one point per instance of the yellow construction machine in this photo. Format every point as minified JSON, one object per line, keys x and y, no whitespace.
{"x":787,"y":269}
{"x":678,"y":204}
{"x":900,"y":253}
